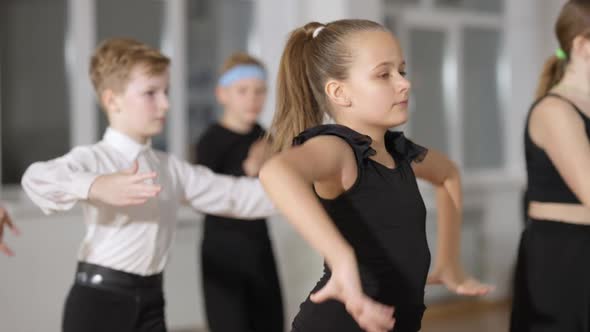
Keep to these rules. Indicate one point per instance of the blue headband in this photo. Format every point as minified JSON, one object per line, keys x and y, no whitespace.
{"x":241,"y":72}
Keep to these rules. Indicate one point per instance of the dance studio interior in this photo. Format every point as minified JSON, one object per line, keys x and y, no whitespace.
{"x":473,"y":64}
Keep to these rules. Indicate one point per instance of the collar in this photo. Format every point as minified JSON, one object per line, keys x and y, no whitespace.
{"x":125,"y":144}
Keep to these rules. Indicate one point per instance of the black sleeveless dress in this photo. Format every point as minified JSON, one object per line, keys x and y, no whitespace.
{"x":383,"y":217}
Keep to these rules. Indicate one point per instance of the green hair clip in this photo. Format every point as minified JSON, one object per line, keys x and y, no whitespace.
{"x":560,"y":54}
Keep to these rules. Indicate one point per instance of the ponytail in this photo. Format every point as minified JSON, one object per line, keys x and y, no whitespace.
{"x":296,"y":107}
{"x":552,"y":73}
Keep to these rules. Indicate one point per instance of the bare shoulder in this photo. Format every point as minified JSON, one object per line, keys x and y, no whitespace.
{"x":554,"y":117}
{"x":553,"y":109}
{"x":325,"y":148}
{"x":321,"y":159}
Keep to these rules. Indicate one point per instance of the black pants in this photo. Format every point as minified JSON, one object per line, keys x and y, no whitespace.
{"x":114,"y":307}
{"x":240,"y":283}
{"x":552,"y":283}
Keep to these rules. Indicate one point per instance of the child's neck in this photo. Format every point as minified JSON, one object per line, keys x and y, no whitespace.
{"x":234,"y":124}
{"x":143,"y":140}
{"x":575,"y":82}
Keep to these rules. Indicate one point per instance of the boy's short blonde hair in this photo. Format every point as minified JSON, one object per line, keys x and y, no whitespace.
{"x":114,"y":59}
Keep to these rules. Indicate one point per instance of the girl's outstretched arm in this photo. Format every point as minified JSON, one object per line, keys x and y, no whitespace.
{"x":448,"y":270}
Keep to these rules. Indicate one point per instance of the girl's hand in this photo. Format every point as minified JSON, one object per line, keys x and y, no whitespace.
{"x":344,"y":286}
{"x":5,"y":221}
{"x":457,"y":281}
{"x":124,"y":188}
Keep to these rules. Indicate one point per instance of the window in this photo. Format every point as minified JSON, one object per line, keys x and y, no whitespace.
{"x":492,"y":6}
{"x":482,"y":133}
{"x":455,"y":64}
{"x":33,"y":87}
{"x":427,"y":54}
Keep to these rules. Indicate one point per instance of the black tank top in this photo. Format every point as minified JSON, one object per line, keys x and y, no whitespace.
{"x":223,"y":151}
{"x":545,"y":184}
{"x":383,"y":217}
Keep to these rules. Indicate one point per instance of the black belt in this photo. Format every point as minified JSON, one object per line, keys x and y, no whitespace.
{"x":103,"y":277}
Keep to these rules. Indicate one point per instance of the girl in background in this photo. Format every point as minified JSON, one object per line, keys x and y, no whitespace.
{"x":552,"y":284}
{"x":240,"y":282}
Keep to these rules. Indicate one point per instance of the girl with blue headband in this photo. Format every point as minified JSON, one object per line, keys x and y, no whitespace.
{"x":552,"y":283}
{"x":240,"y":282}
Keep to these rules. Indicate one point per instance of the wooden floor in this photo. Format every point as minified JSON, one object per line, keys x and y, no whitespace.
{"x":467,"y":316}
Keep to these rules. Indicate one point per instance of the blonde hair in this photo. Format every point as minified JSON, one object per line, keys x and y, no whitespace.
{"x":114,"y":59}
{"x":307,"y":63}
{"x":240,"y":58}
{"x":573,"y":21}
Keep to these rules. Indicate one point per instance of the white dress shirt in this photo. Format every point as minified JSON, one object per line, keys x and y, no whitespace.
{"x":137,"y":239}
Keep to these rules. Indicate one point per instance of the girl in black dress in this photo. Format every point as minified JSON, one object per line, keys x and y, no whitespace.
{"x":552,"y":291}
{"x":240,"y":281}
{"x":350,"y":188}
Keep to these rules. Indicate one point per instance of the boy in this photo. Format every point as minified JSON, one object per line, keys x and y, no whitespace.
{"x":130,"y":194}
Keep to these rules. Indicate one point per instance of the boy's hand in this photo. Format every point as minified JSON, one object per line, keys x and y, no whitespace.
{"x":124,"y":188}
{"x":6,"y":221}
{"x":457,"y":281}
{"x":344,"y":285}
{"x":257,"y":155}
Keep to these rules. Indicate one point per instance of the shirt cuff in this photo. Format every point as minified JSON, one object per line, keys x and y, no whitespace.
{"x":82,"y":183}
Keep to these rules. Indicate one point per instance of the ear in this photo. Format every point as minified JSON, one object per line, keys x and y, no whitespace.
{"x":581,"y":46}
{"x":109,"y":100}
{"x":335,"y":90}
{"x":221,"y":94}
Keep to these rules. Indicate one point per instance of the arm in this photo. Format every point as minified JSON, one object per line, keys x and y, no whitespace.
{"x":223,"y":195}
{"x":289,"y":178}
{"x":437,"y":169}
{"x":6,"y":221}
{"x":58,"y":184}
{"x":558,"y":129}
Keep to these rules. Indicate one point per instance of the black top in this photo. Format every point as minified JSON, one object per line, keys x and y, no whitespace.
{"x":224,"y":151}
{"x":383,"y":217}
{"x":545,"y":184}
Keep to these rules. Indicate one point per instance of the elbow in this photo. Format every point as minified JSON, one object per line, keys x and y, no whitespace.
{"x":452,"y":174}
{"x":29,"y":176}
{"x":585,"y":198}
{"x":27,"y":179}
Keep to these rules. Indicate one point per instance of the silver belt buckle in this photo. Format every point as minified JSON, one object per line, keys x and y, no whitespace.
{"x":96,"y":279}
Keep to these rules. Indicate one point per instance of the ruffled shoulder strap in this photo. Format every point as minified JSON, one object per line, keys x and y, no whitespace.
{"x":361,"y":144}
{"x":403,"y":148}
